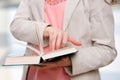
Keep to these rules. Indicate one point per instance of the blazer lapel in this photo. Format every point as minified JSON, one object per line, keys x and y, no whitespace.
{"x":69,"y":9}
{"x":40,"y":6}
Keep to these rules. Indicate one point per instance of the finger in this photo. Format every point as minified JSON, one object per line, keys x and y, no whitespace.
{"x":50,"y":40}
{"x":53,"y":41}
{"x":64,"y":40}
{"x":51,"y":64}
{"x":58,"y":40}
{"x":74,"y":41}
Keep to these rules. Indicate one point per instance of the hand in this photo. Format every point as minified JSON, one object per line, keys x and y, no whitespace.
{"x":62,"y":62}
{"x":58,"y":38}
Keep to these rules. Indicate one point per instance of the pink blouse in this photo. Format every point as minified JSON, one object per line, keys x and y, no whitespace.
{"x":53,"y":14}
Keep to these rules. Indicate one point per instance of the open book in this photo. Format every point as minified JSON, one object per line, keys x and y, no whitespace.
{"x":38,"y":60}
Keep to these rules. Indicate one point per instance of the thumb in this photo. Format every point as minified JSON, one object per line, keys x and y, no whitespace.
{"x":70,"y":39}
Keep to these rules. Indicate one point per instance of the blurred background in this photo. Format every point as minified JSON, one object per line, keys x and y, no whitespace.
{"x":9,"y":46}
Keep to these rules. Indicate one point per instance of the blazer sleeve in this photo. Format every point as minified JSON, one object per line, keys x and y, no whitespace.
{"x":102,"y":52}
{"x":23,"y":26}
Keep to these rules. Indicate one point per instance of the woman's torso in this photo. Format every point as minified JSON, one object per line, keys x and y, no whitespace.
{"x":53,"y":14}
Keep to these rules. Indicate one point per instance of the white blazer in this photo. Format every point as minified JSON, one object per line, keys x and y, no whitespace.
{"x":87,"y":21}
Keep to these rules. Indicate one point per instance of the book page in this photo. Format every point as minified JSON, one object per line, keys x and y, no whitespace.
{"x":35,"y":60}
{"x":22,"y":60}
{"x":59,"y":52}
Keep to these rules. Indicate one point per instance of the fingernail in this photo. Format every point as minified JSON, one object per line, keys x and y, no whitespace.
{"x":78,"y":44}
